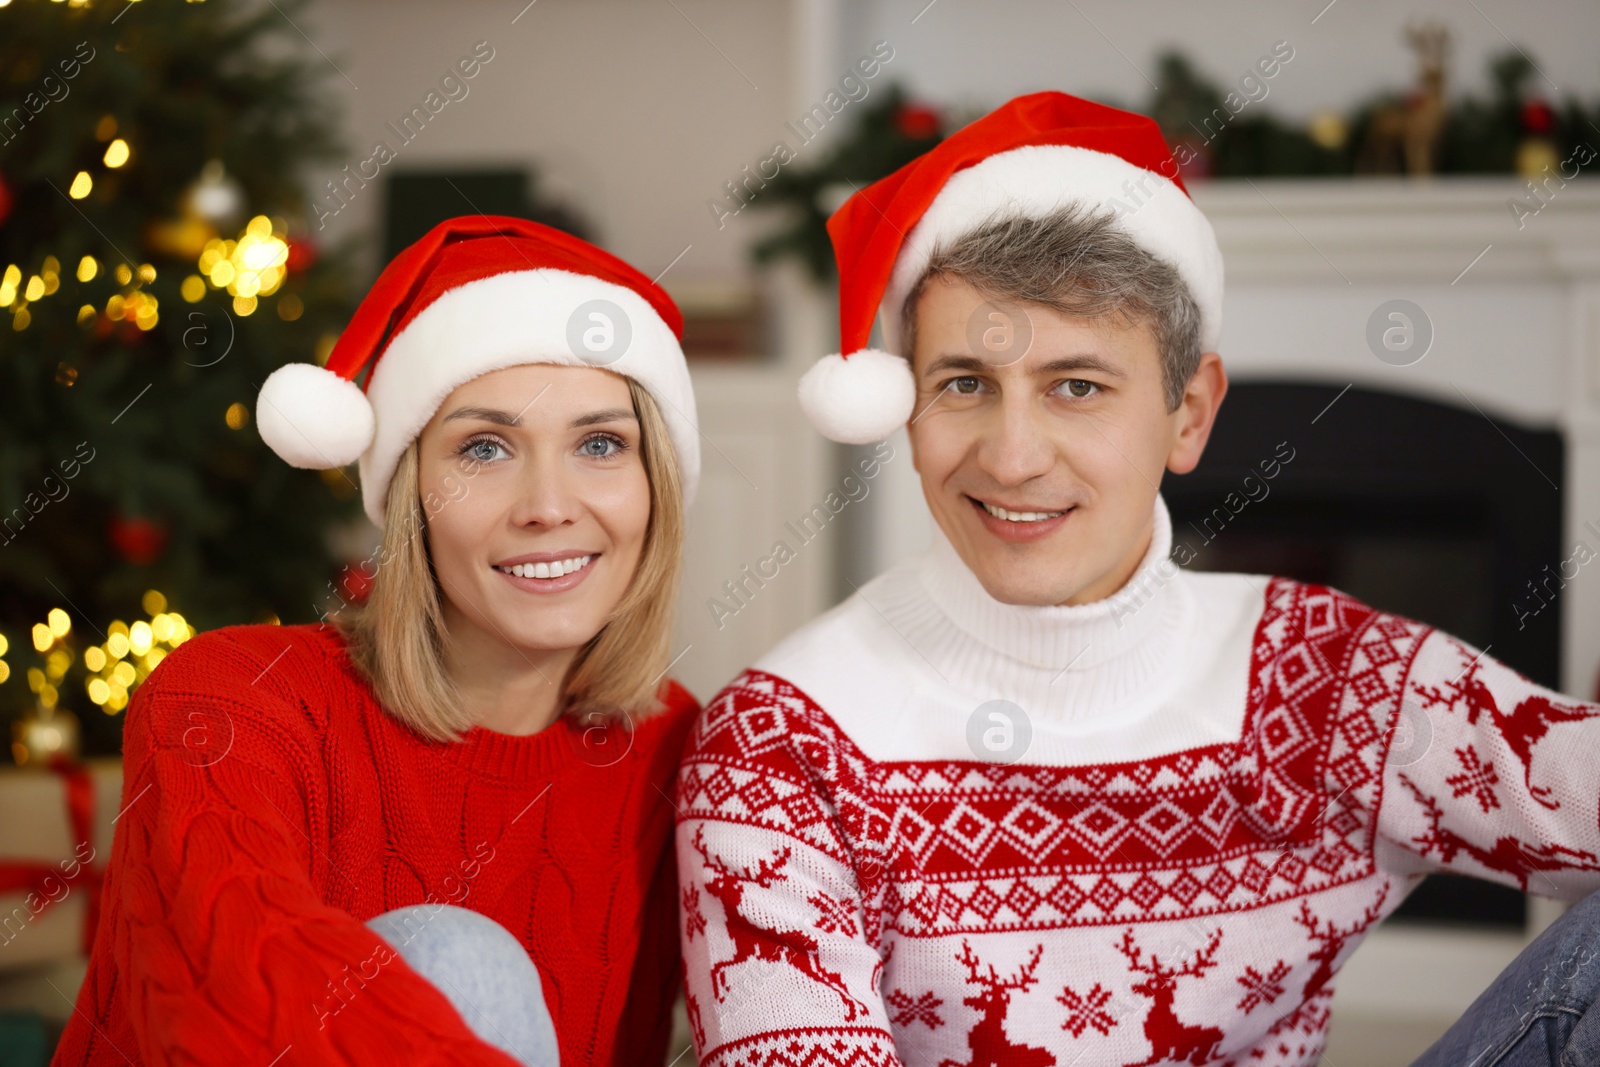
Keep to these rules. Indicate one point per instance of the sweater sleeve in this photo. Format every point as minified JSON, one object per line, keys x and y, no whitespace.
{"x":1489,"y":774}
{"x":777,"y":957}
{"x":653,"y":988}
{"x":227,"y":949}
{"x":647,"y":1032}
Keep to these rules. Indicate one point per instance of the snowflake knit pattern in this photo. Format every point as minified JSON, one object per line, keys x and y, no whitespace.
{"x":270,"y":807}
{"x":1229,"y":780}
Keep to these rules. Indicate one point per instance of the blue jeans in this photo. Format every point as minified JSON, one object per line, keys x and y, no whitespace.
{"x":482,"y":969}
{"x":1540,"y":1011}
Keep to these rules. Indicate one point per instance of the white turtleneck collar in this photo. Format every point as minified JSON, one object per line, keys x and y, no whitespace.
{"x":1073,"y":668}
{"x":1160,"y":664}
{"x":1075,"y":637}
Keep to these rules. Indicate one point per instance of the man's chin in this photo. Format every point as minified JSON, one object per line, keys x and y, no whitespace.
{"x":1026,"y":590}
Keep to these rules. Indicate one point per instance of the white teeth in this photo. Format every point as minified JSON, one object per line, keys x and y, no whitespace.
{"x":548,"y":570}
{"x":1020,"y":516}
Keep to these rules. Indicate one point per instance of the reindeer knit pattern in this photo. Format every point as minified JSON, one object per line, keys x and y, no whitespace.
{"x":270,"y":807}
{"x":1207,"y":789}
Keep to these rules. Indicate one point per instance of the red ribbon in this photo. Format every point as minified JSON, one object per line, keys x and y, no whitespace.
{"x":33,"y":877}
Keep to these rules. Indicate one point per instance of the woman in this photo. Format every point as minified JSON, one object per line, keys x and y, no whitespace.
{"x":434,"y":830}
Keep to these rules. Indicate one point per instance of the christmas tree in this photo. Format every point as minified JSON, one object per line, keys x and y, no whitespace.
{"x":159,"y":260}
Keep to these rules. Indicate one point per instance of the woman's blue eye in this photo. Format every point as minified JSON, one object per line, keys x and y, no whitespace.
{"x":602,"y":446}
{"x":1071,"y":384}
{"x":473,"y":449}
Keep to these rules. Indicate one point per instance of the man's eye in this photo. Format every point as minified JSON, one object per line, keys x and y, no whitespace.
{"x":967,"y":385}
{"x":1077,"y":388}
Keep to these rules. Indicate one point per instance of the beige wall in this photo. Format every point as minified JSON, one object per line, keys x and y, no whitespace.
{"x":622,"y":105}
{"x":641,"y":109}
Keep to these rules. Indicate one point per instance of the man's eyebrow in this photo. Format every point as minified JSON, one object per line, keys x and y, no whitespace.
{"x":506,"y":418}
{"x":1082,"y":361}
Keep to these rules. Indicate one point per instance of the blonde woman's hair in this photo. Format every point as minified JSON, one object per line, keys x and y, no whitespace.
{"x":396,"y":639}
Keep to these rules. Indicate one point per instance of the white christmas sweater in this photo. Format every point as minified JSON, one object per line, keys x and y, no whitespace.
{"x":1225,"y":780}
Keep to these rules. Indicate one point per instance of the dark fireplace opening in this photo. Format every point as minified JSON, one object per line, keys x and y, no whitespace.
{"x":1424,"y":509}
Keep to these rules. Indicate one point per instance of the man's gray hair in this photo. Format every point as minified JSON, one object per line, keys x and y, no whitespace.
{"x":1079,"y":262}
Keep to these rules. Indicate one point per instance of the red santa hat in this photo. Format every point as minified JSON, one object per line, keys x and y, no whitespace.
{"x":1035,"y":154}
{"x":475,"y":294}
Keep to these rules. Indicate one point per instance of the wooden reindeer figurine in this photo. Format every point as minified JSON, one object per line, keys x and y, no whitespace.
{"x":752,"y":941}
{"x":1405,"y":136}
{"x":1171,"y":1039}
{"x":990,"y":1045}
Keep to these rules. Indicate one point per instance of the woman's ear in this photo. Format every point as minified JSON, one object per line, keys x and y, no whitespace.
{"x":1197,"y":413}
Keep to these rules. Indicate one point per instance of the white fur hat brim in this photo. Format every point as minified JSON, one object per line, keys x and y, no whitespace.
{"x":314,"y":418}
{"x":868,"y":394}
{"x":1035,"y":180}
{"x":509,"y":319}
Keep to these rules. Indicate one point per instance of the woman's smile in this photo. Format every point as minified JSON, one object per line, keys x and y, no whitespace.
{"x":548,"y":572}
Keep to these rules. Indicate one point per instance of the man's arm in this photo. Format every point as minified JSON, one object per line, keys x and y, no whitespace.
{"x":775,"y":945}
{"x":1490,"y":774}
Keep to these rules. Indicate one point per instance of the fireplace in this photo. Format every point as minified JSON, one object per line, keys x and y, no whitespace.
{"x":1416,"y":507}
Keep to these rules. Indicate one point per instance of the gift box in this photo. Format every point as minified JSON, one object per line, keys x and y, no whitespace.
{"x":56,"y":827}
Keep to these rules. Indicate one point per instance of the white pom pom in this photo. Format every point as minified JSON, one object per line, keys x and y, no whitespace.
{"x":313,"y":418}
{"x":858,"y":400}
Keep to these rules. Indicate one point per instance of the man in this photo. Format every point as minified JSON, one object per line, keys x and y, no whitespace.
{"x":1041,"y":796}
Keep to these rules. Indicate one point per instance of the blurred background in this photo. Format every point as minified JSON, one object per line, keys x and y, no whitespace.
{"x":194,"y":193}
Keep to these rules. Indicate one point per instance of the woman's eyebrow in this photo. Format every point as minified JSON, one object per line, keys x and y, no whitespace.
{"x":494,"y":415}
{"x":607,"y":415}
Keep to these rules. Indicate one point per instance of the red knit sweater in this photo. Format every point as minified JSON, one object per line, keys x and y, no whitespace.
{"x":270,"y":807}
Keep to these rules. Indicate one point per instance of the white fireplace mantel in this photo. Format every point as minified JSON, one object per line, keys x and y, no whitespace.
{"x":1377,"y":230}
{"x":1512,"y":307}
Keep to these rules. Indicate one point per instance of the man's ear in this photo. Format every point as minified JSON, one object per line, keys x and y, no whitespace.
{"x":1197,"y":413}
{"x":911,"y":361}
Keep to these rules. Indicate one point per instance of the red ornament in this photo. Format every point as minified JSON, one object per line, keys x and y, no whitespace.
{"x":6,"y":199}
{"x":1537,"y":116}
{"x":355,"y":583}
{"x":302,"y":254}
{"x":137,"y":539}
{"x":917,"y":121}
